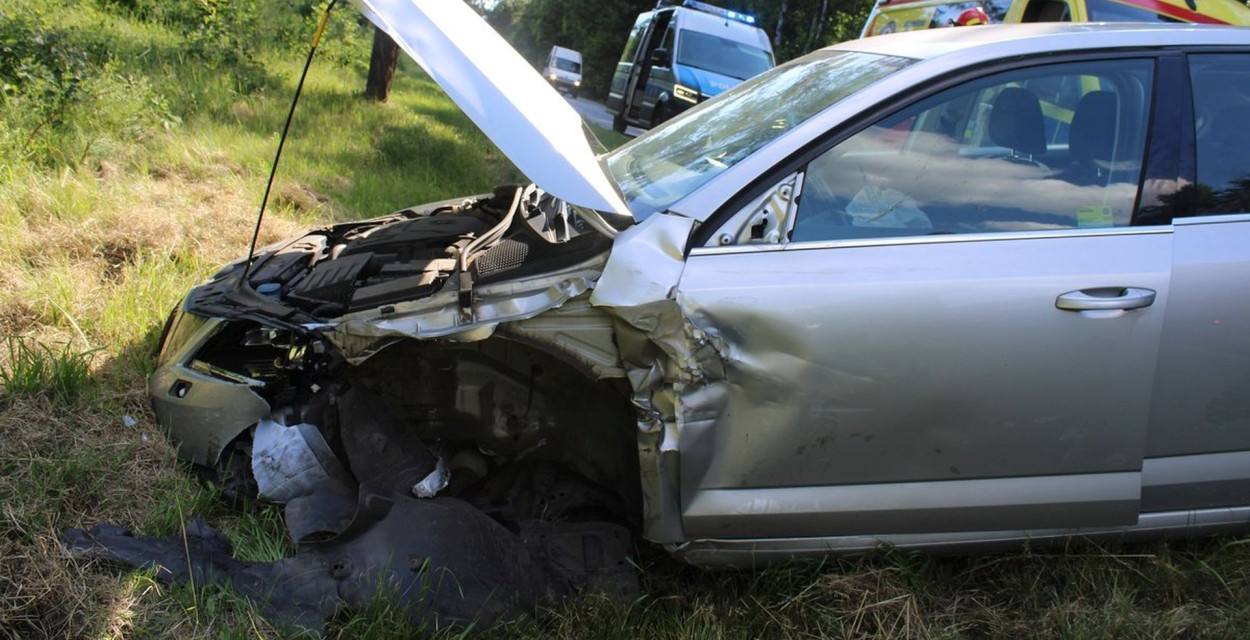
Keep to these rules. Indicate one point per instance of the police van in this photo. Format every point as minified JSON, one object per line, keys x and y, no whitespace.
{"x":889,"y":16}
{"x":680,"y":54}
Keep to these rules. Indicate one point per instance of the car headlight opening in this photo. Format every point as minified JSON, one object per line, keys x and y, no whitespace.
{"x":683,"y":92}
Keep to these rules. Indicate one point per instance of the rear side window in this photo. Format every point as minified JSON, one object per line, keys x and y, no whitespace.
{"x":1221,"y":88}
{"x":1044,"y":148}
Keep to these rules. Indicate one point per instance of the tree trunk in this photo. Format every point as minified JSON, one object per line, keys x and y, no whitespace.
{"x":818,"y":25}
{"x":781,"y":18}
{"x":381,"y":66}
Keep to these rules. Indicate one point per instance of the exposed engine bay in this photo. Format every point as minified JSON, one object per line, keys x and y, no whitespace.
{"x":349,"y":268}
{"x":370,"y":438}
{"x":413,"y":253}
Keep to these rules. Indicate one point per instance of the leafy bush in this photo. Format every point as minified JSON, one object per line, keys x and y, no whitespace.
{"x":72,"y":90}
{"x":61,"y":94}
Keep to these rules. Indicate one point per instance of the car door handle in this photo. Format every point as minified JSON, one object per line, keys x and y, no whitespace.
{"x":1103,"y":298}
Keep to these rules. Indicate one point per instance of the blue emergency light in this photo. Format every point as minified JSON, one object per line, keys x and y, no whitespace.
{"x":719,"y":11}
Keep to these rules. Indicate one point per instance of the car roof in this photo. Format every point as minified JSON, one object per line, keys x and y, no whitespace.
{"x":1002,"y":40}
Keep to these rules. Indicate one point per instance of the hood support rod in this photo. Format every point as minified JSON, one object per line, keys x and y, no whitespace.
{"x":286,"y":128}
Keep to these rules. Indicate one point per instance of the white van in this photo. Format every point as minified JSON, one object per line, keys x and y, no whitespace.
{"x":564,"y":70}
{"x":681,"y":54}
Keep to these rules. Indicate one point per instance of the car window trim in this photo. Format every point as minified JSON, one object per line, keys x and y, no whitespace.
{"x":822,"y":143}
{"x":992,"y":236}
{"x":1211,"y":218}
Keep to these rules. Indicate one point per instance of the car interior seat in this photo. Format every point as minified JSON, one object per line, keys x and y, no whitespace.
{"x":1091,"y":138}
{"x":1016,"y":123}
{"x":1224,"y":147}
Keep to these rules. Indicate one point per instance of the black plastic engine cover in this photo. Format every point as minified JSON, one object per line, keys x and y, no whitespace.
{"x":414,"y":239}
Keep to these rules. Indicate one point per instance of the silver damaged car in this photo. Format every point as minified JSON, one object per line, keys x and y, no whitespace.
{"x":949,"y":289}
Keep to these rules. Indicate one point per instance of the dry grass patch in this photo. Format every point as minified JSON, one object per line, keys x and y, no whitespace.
{"x":45,"y":594}
{"x":67,"y":466}
{"x":132,"y":247}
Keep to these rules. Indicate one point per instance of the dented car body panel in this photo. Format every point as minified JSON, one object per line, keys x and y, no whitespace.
{"x":761,"y":364}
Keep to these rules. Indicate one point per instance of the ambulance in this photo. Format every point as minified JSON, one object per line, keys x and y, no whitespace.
{"x":889,"y":16}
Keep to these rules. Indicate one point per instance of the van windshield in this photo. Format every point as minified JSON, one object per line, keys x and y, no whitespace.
{"x":564,"y":64}
{"x":667,"y":163}
{"x":720,"y":55}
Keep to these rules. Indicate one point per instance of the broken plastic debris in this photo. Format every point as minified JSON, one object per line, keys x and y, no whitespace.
{"x":129,"y":421}
{"x":433,"y":483}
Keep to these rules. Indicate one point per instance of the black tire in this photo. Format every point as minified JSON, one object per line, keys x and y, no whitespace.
{"x":618,"y":123}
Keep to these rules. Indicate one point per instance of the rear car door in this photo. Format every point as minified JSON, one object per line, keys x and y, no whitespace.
{"x":961,"y":332}
{"x":1198,"y":448}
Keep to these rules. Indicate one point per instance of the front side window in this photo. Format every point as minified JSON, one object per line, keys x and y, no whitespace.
{"x":635,"y":37}
{"x":1045,"y":148}
{"x":1221,"y":87}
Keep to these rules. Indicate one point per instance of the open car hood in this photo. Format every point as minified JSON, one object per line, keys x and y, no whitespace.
{"x":503,"y":95}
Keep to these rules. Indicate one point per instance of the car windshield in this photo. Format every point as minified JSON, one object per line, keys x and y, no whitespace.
{"x":721,"y":55}
{"x":564,"y":64}
{"x":666,"y":164}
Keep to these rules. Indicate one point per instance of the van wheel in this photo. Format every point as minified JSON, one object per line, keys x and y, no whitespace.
{"x":618,"y":123}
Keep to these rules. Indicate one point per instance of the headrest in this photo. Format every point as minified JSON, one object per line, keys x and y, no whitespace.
{"x":1092,"y":136}
{"x":1016,"y":121}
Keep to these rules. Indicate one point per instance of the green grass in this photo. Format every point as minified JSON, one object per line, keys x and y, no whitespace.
{"x":609,"y":138}
{"x":35,"y":369}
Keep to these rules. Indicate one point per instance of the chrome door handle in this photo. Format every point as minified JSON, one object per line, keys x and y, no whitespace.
{"x":1102,"y":298}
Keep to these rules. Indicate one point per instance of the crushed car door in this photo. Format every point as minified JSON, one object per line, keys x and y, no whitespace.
{"x":960,"y":333}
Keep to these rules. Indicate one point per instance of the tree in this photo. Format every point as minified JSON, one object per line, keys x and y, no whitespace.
{"x":382,"y":64}
{"x":781,"y":21}
{"x":818,"y":24}
{"x":597,"y":29}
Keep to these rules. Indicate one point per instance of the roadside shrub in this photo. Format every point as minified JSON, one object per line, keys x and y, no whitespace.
{"x":62,"y":96}
{"x":75,"y":90}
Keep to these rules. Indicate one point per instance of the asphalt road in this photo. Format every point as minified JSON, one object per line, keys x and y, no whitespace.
{"x":598,"y":114}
